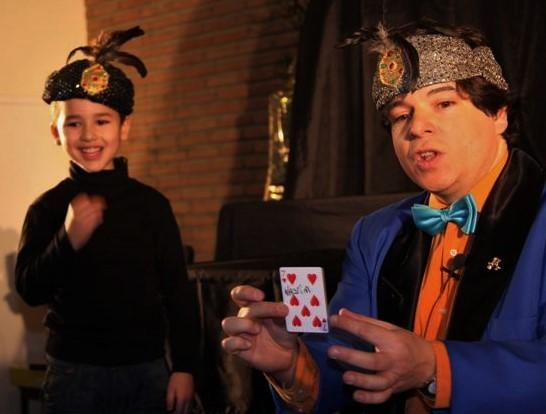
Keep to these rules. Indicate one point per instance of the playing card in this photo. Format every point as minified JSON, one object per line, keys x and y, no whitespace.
{"x":303,"y":293}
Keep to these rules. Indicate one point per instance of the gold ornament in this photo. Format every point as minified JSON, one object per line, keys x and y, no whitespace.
{"x":391,"y":68}
{"x":94,"y":79}
{"x":494,"y":264}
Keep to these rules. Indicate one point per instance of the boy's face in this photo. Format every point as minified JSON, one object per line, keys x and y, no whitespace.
{"x":90,"y":133}
{"x":444,"y":143}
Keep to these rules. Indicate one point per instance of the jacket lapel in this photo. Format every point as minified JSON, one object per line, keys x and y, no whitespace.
{"x":500,"y":234}
{"x":398,"y":290}
{"x":401,"y":274}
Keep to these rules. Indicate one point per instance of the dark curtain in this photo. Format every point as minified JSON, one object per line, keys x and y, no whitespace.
{"x":338,"y":146}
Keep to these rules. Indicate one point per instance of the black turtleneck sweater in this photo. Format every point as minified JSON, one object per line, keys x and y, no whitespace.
{"x":111,"y":302}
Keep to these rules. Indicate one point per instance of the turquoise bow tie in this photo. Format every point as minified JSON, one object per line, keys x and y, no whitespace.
{"x":432,"y":220}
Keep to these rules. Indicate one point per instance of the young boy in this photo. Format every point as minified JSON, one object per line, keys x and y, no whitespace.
{"x":103,"y":251}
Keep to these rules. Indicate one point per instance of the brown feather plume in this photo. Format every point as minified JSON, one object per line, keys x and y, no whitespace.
{"x":105,"y":49}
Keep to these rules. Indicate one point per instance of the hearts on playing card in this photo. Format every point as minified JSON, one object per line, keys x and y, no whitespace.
{"x":314,"y":301}
{"x":291,"y":277}
{"x":294,"y":301}
{"x":296,"y":321}
{"x":312,"y":278}
{"x":305,"y":311}
{"x":317,"y":323}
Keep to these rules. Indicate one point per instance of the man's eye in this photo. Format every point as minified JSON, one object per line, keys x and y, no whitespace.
{"x":103,"y":121}
{"x":446,"y":104}
{"x":400,"y":118}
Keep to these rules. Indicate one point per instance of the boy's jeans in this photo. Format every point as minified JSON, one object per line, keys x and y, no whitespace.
{"x":71,"y":388}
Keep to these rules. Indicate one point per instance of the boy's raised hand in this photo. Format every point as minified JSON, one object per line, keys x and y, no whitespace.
{"x":85,"y":214}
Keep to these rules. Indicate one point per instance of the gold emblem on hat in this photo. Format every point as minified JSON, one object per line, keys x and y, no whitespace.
{"x":391,"y":68}
{"x":494,"y":264}
{"x":94,"y":79}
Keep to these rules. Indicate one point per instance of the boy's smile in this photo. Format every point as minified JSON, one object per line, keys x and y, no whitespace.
{"x":90,"y":133}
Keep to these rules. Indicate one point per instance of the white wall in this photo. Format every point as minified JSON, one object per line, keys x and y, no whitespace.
{"x":36,"y":37}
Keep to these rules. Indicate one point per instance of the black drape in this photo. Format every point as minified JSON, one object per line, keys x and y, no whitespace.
{"x":338,"y":146}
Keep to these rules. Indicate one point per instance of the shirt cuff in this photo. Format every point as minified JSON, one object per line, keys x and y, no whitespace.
{"x":302,"y":395}
{"x":442,"y":398}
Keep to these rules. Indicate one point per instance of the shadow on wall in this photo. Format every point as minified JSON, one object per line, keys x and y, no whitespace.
{"x":30,"y":349}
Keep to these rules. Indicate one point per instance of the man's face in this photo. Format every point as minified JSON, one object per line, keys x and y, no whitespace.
{"x":444,"y":143}
{"x":90,"y":133}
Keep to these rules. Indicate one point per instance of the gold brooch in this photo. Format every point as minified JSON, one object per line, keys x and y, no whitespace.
{"x":494,"y":264}
{"x":94,"y":79}
{"x":391,"y":68}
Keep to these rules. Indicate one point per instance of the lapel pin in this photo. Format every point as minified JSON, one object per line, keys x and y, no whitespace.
{"x":494,"y":264}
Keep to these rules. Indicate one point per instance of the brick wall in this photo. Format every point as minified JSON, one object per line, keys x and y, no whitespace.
{"x":200,"y":132}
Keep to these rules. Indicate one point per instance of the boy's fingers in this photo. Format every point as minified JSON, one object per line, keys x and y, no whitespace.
{"x":82,"y":201}
{"x":98,"y":201}
{"x":79,"y":199}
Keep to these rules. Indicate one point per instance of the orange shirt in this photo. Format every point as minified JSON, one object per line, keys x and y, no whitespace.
{"x":438,"y":288}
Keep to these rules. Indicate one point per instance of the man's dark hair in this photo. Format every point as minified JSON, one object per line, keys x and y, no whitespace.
{"x":489,"y":99}
{"x":484,"y":95}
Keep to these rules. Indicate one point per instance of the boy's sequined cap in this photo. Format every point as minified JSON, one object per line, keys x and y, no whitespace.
{"x":409,"y":63}
{"x":96,"y":79}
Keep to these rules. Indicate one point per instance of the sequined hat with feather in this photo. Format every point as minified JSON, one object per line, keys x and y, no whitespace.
{"x":96,"y":78}
{"x":410,"y":62}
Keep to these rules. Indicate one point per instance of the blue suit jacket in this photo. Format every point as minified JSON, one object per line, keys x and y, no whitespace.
{"x":503,"y":371}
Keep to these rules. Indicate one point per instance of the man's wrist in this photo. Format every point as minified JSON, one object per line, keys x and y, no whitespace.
{"x":285,"y":378}
{"x":302,"y":393}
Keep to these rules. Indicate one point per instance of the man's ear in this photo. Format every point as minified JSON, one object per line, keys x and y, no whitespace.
{"x":55,"y":133}
{"x":125,"y":128}
{"x":501,"y":120}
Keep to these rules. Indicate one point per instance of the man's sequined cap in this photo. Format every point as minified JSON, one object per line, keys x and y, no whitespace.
{"x":440,"y":59}
{"x":97,"y":79}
